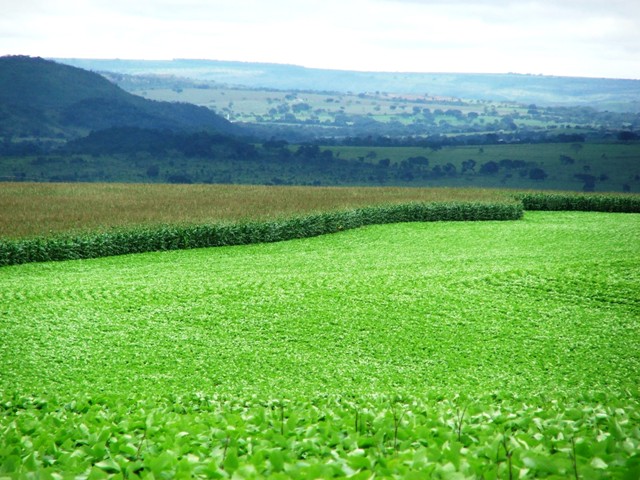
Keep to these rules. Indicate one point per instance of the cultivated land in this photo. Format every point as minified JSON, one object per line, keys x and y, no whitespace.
{"x":30,"y":209}
{"x":444,"y":350}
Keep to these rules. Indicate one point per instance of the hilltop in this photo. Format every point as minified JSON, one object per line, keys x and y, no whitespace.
{"x":48,"y":100}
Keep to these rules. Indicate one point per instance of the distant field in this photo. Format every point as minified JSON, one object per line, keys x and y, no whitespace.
{"x":28,"y":209}
{"x":246,"y":105}
{"x":435,"y":350}
{"x":611,"y":165}
{"x":600,"y":167}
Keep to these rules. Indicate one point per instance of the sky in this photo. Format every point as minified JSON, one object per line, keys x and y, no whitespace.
{"x":586,"y":38}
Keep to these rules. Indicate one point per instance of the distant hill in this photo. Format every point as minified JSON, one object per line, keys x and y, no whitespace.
{"x":621,"y":95}
{"x":42,"y":98}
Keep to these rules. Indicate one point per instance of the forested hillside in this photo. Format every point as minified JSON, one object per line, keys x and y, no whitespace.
{"x":41,"y":100}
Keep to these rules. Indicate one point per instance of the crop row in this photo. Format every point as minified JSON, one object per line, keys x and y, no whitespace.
{"x":205,"y":437}
{"x":580,"y":202}
{"x":174,"y":237}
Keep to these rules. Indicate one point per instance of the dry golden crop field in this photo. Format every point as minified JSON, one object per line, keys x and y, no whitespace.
{"x":35,"y":209}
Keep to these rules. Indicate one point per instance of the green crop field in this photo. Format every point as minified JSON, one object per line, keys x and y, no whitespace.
{"x":422,"y":350}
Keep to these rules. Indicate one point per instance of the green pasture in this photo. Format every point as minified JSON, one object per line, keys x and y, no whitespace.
{"x":443,"y":350}
{"x":594,"y":155}
{"x":613,"y":165}
{"x":248,"y":105}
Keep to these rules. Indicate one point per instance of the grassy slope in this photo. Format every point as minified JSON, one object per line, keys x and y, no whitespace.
{"x":436,"y":350}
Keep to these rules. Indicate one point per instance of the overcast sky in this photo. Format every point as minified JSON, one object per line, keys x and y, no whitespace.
{"x":593,"y":38}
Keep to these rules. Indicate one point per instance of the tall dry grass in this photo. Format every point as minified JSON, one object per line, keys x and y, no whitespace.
{"x":40,"y":209}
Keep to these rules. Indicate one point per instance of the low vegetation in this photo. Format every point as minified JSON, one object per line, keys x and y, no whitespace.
{"x":449,"y":349}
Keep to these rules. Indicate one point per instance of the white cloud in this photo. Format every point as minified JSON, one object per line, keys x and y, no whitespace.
{"x":568,"y":37}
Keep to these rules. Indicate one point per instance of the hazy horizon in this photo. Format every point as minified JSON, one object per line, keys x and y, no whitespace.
{"x":229,"y":60}
{"x":586,"y":38}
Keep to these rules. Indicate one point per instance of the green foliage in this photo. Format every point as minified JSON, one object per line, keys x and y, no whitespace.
{"x":201,"y":436}
{"x":588,"y":203}
{"x":417,"y":350}
{"x":174,"y":237}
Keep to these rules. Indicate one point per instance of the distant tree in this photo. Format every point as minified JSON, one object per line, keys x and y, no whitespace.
{"x":512,"y":164}
{"x":245,"y":151}
{"x":566,"y":160}
{"x":437,"y":172}
{"x":627,"y":136}
{"x":508,"y":123}
{"x":275,"y":144}
{"x":384,"y":162}
{"x":468,"y":165}
{"x":179,"y":178}
{"x":589,"y":181}
{"x":308,"y":150}
{"x":300,"y":107}
{"x":450,"y":169}
{"x":406,"y":176}
{"x":419,"y":160}
{"x":290,"y":118}
{"x":537,"y":174}
{"x":576,"y":147}
{"x":153,"y":171}
{"x":489,"y":168}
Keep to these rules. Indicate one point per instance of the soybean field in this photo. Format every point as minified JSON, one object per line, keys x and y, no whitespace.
{"x":412,"y":350}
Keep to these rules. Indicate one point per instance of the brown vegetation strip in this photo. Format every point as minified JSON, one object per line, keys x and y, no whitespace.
{"x":36,"y":209}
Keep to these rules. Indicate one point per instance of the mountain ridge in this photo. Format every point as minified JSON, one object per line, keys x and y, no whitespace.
{"x":601,"y":93}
